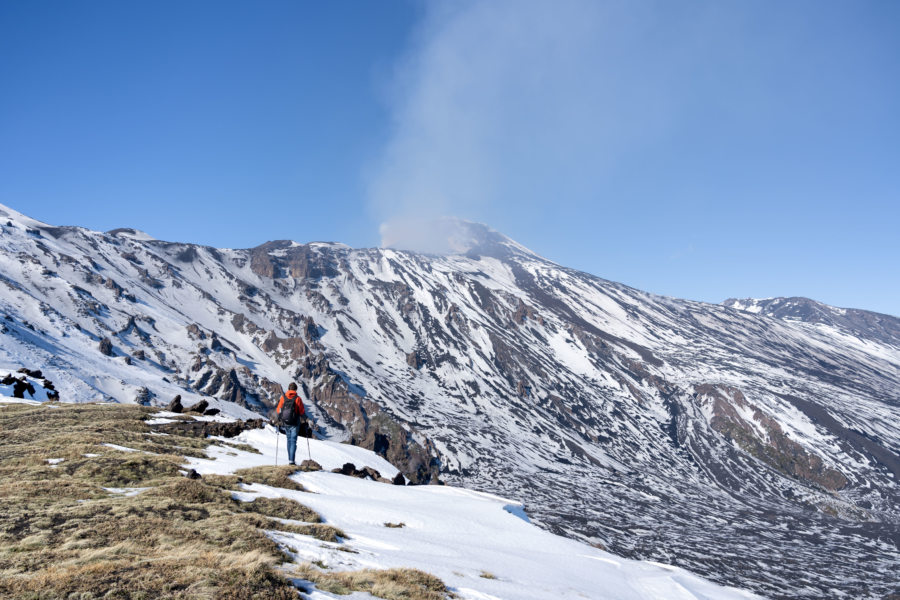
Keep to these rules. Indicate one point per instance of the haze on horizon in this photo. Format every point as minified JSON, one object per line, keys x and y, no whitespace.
{"x":698,"y":150}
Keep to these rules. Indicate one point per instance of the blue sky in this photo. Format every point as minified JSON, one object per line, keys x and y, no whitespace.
{"x":703,"y":150}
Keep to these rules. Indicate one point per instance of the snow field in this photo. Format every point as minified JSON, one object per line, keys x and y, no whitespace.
{"x":482,"y":546}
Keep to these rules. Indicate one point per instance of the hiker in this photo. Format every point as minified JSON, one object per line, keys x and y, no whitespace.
{"x":290,"y":412}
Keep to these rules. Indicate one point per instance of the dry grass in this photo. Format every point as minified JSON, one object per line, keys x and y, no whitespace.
{"x":63,"y":536}
{"x":279,"y":477}
{"x":391,"y":584}
{"x":395,"y":525}
{"x":282,"y":508}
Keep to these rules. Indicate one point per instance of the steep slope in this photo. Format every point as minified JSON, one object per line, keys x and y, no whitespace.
{"x":758,"y":451}
{"x":94,"y":505}
{"x":861,"y":323}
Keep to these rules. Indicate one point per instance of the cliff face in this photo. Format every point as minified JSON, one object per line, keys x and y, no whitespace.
{"x":703,"y":435}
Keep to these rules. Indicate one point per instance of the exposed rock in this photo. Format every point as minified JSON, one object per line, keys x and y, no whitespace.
{"x":414,"y":360}
{"x":187,"y":255}
{"x":200,"y":407}
{"x":138,"y":354}
{"x":21,"y":386}
{"x":106,"y":347}
{"x":391,"y":440}
{"x":370,"y":473}
{"x":347,"y":469}
{"x":143,"y":397}
{"x":211,"y":412}
{"x":208,"y":428}
{"x":36,"y":374}
{"x":777,"y":450}
{"x":215,"y":344}
{"x":175,"y":405}
{"x":525,"y":312}
{"x":195,"y":332}
{"x":193,"y":474}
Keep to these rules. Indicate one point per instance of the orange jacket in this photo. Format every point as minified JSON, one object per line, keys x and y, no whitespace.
{"x":291,"y":395}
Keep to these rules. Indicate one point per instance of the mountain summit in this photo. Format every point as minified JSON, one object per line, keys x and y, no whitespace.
{"x":448,"y":235}
{"x":694,"y":434}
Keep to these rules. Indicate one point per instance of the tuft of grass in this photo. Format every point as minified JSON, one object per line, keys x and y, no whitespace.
{"x":395,"y":525}
{"x":390,"y":584}
{"x":487,"y":575}
{"x":279,"y":477}
{"x":282,"y":508}
{"x":238,"y":446}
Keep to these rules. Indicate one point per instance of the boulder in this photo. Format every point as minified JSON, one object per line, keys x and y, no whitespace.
{"x":36,"y":374}
{"x":143,"y":396}
{"x":199,"y":407}
{"x":175,"y":405}
{"x":105,"y":347}
{"x":399,"y":479}
{"x":370,"y":473}
{"x":192,"y":474}
{"x":211,"y":412}
{"x":348,"y":469}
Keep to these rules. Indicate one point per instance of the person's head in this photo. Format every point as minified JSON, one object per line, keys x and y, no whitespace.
{"x":292,"y":387}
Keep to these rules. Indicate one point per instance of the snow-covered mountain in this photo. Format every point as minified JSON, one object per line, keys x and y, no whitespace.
{"x":759,"y":451}
{"x":861,"y":323}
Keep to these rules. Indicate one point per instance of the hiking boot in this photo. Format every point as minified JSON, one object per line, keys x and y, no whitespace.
{"x":292,"y":463}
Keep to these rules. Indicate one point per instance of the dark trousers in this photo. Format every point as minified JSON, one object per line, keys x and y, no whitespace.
{"x":291,"y":431}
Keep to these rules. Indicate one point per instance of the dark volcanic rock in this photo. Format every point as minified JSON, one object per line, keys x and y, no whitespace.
{"x":175,"y":405}
{"x":370,"y":473}
{"x":144,"y":396}
{"x":211,"y":412}
{"x":105,"y":347}
{"x":200,"y":407}
{"x":21,"y":386}
{"x":192,"y":474}
{"x":208,"y":428}
{"x":399,"y":479}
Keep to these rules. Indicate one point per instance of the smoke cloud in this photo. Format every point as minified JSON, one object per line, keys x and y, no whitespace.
{"x":510,"y":106}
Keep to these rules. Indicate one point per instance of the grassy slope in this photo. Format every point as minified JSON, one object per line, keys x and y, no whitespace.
{"x":62,"y":535}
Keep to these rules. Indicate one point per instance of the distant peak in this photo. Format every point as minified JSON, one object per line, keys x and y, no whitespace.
{"x":447,"y":235}
{"x":128,"y":232}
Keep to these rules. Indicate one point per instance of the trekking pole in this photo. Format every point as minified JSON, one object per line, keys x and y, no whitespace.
{"x":276,"y":446}
{"x":308,"y":453}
